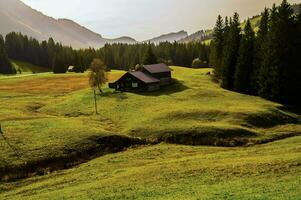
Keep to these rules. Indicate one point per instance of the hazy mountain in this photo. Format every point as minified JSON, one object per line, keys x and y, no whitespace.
{"x":18,"y":17}
{"x":170,"y":37}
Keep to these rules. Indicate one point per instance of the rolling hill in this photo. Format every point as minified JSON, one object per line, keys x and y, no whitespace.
{"x":206,"y":36}
{"x":18,"y":17}
{"x":52,"y":126}
{"x":170,"y":37}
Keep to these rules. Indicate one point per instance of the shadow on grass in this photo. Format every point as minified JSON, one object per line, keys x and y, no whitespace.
{"x":175,"y":87}
{"x":292,"y":109}
{"x":110,"y":93}
{"x":270,"y":119}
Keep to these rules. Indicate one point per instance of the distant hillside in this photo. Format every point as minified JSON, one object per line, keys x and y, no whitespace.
{"x":205,"y":36}
{"x":198,"y":36}
{"x":170,"y":37}
{"x":255,"y":20}
{"x":18,"y":17}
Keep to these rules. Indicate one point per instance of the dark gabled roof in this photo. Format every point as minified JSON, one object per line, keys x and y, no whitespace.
{"x":144,"y":77}
{"x":157,"y":68}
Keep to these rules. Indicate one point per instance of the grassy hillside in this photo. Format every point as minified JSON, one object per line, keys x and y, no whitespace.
{"x":27,"y":68}
{"x":164,"y":171}
{"x":255,"y":22}
{"x":49,"y":123}
{"x":53,"y":115}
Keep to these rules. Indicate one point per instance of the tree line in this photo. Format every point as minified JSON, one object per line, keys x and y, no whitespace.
{"x":55,"y":56}
{"x":48,"y":54}
{"x":266,"y":63}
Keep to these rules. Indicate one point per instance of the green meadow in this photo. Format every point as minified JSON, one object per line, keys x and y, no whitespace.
{"x":237,"y":146}
{"x":166,"y":171}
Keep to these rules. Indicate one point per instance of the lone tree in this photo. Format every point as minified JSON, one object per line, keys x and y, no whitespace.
{"x":97,"y":77}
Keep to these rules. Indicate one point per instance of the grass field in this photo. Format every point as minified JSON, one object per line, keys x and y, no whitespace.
{"x":164,"y":171}
{"x":50,"y":118}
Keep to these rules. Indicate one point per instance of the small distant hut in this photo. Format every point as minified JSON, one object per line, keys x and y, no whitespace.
{"x":71,"y":69}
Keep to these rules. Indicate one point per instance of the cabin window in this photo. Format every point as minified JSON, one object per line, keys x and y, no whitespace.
{"x":134,"y":85}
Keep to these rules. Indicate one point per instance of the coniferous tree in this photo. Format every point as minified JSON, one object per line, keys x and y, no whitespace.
{"x":150,"y":57}
{"x":297,"y":58}
{"x":289,"y":59}
{"x":278,"y":79}
{"x":5,"y":65}
{"x":260,"y":41}
{"x":230,"y":53}
{"x":268,"y":71}
{"x":245,"y":63}
{"x":217,"y":46}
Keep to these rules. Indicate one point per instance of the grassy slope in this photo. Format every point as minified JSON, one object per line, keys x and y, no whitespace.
{"x":270,"y":171}
{"x":254,"y":22}
{"x":43,"y":117}
{"x":27,"y":68}
{"x":52,"y":115}
{"x":37,"y":135}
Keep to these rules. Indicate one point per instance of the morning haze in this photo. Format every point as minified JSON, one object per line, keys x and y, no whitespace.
{"x":148,"y":18}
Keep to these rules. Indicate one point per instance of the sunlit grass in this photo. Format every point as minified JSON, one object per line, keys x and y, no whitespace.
{"x":45,"y":114}
{"x":164,"y":171}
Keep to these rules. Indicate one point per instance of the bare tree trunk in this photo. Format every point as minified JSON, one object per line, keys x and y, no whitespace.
{"x":99,"y":88}
{"x":95,"y":102}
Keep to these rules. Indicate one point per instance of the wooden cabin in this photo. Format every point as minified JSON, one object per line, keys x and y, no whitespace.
{"x":149,"y":78}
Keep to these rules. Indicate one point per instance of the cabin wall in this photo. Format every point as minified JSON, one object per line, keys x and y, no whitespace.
{"x":153,"y":87}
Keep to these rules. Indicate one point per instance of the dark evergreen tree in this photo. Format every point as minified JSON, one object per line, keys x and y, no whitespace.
{"x":217,"y":46}
{"x":260,"y":41}
{"x":5,"y":65}
{"x":230,"y":53}
{"x":297,"y":75}
{"x":278,"y":80}
{"x":268,"y":74}
{"x":245,"y":63}
{"x":150,"y":57}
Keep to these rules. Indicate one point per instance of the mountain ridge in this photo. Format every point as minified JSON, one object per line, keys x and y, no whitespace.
{"x":16,"y":16}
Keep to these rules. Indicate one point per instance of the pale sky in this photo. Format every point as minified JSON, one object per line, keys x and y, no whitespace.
{"x":145,"y":19}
